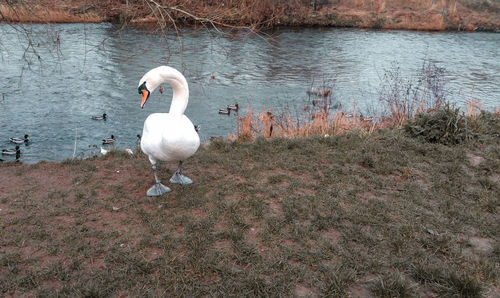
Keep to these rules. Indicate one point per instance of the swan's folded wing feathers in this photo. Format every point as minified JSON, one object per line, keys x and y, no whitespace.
{"x":169,"y":137}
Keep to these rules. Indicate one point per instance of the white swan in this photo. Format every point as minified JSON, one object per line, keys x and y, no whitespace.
{"x":168,"y":136}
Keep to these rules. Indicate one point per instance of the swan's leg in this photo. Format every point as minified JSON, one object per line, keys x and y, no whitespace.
{"x":178,"y":178}
{"x":157,"y":189}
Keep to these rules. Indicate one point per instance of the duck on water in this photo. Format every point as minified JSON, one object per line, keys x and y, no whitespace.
{"x":20,"y":140}
{"x":103,"y":117}
{"x":228,"y":109}
{"x":110,"y":140}
{"x":16,"y":152}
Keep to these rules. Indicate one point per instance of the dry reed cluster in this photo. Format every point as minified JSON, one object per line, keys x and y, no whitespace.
{"x":36,"y":13}
{"x":271,"y":125}
{"x":324,"y":122}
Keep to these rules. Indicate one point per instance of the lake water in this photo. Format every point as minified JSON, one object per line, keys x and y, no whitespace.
{"x":53,"y":78}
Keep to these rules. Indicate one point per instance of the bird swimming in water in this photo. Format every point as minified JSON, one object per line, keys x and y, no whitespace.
{"x":225,"y":111}
{"x":103,"y":117}
{"x":20,"y":140}
{"x":16,"y":152}
{"x":109,"y":140}
{"x":10,"y":151}
{"x":234,"y":107}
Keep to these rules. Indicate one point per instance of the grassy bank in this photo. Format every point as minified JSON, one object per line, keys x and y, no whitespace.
{"x":469,"y":15}
{"x":377,"y":214}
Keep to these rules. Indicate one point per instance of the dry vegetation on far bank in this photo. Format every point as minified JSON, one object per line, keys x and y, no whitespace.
{"x":468,"y":15}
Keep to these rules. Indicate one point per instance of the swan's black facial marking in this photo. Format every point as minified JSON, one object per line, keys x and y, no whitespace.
{"x":145,"y":93}
{"x":143,"y":87}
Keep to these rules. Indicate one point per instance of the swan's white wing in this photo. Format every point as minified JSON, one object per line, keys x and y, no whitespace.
{"x":169,"y":137}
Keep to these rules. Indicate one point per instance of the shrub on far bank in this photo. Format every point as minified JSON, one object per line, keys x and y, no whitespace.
{"x":450,"y":126}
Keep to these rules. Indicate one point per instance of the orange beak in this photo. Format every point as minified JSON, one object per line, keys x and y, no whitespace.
{"x":145,"y":95}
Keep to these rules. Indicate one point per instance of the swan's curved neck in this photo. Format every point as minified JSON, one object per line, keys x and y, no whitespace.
{"x":166,"y":74}
{"x":180,"y":95}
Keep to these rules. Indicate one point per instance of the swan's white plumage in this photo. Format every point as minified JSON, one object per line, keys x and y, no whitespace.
{"x":169,"y":136}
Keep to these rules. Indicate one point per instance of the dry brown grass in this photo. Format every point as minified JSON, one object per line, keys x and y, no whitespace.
{"x":323,"y":122}
{"x":42,"y":14}
{"x":389,"y":14}
{"x":401,"y":110}
{"x":473,"y":107}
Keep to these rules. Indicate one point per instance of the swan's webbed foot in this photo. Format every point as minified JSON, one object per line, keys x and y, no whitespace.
{"x":157,"y":190}
{"x":178,"y":178}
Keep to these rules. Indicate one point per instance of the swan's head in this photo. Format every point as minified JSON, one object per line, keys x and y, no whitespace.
{"x":165,"y":74}
{"x":143,"y":89}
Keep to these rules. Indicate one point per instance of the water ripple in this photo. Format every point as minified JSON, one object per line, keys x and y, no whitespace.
{"x":94,"y":69}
